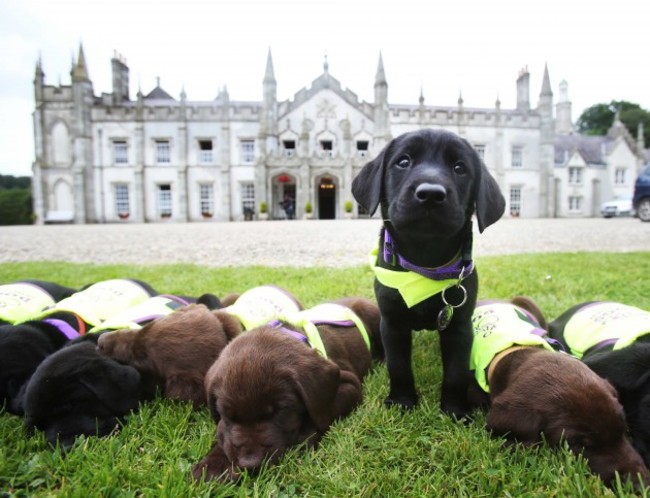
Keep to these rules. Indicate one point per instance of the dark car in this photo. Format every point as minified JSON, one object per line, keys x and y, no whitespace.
{"x":641,"y":199}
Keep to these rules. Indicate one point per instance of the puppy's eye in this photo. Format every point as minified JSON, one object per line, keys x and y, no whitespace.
{"x":460,"y":168}
{"x":403,"y":162}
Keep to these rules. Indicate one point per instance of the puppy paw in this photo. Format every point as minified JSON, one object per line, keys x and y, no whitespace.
{"x":456,"y":411}
{"x":403,"y":402}
{"x":215,"y":466}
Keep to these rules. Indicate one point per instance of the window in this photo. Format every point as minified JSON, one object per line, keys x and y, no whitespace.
{"x":515,"y":201}
{"x":247,"y":151}
{"x":121,"y":197}
{"x":120,"y":152}
{"x":163,"y":152}
{"x":326,"y":146}
{"x":480,"y":150}
{"x":289,"y":147}
{"x":575,"y":204}
{"x":248,"y":197}
{"x":517,"y":156}
{"x":165,"y":201}
{"x":620,"y":176}
{"x":206,"y":193}
{"x":575,"y":176}
{"x":205,"y":151}
{"x":362,"y":148}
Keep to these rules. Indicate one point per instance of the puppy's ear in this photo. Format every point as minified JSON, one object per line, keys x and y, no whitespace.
{"x":626,"y":368}
{"x":490,"y":203}
{"x":317,"y":382}
{"x":367,"y":185}
{"x":210,"y":301}
{"x":531,"y":306}
{"x":514,"y":422}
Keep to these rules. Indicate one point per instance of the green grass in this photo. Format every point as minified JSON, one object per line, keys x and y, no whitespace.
{"x":375,"y":451}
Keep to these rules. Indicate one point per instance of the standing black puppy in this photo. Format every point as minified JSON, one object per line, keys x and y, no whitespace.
{"x":429,"y":183}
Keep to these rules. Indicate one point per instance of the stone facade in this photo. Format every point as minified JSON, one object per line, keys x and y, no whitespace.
{"x":110,"y":158}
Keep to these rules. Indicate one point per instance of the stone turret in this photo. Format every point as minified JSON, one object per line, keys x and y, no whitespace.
{"x":382,"y":133}
{"x":563,"y":122}
{"x":269,"y":118}
{"x":523,"y":90}
{"x":547,"y":146}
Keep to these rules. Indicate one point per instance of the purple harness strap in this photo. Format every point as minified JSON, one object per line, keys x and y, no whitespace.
{"x":65,"y":328}
{"x":293,"y":333}
{"x":602,"y":344}
{"x":458,"y":269}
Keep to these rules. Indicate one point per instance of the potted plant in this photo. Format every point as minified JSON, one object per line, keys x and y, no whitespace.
{"x":123,"y":215}
{"x":308,"y":210}
{"x":347,"y":208}
{"x":264,"y":211}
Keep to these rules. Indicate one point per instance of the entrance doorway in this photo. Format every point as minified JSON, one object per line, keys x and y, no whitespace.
{"x":326,"y":199}
{"x":284,"y":194}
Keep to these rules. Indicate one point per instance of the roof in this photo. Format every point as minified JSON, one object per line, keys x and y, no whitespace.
{"x":158,"y":94}
{"x":591,"y":148}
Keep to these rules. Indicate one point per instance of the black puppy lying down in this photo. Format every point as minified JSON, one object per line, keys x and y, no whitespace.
{"x":25,"y":345}
{"x":78,"y":391}
{"x":26,"y":299}
{"x":536,"y":392}
{"x":613,"y":339}
{"x":428,"y":185}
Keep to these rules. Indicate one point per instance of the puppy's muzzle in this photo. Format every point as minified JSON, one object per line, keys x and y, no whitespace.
{"x":430,"y":193}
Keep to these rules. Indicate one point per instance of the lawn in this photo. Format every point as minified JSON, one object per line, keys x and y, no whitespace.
{"x":375,"y":451}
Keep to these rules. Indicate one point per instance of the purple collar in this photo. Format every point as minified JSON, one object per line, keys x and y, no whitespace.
{"x":461,"y":267}
{"x":602,"y":344}
{"x":64,"y":327}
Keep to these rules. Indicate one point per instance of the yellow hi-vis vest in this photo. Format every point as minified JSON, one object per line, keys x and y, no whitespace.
{"x":603,"y":321}
{"x":134,"y":317}
{"x":22,"y":301}
{"x":497,"y":327}
{"x":325,"y":314}
{"x":260,"y":305}
{"x":101,"y":300}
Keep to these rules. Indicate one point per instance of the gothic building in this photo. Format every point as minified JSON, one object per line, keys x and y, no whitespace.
{"x":114,"y":158}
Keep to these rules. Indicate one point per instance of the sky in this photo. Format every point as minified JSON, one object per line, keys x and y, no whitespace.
{"x":440,"y":48}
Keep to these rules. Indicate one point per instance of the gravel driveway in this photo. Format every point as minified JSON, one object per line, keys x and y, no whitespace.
{"x":333,"y":243}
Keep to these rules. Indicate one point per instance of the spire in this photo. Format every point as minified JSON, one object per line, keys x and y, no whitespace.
{"x":460,"y":98}
{"x":546,"y":84}
{"x":380,"y":78}
{"x":79,"y":71}
{"x":269,"y":75}
{"x":326,"y":65}
{"x":421,"y":99}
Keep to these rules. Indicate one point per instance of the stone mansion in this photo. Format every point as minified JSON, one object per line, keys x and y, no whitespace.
{"x":152,"y":158}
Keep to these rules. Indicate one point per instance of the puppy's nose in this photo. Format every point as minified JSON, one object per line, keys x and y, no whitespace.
{"x":431,"y":193}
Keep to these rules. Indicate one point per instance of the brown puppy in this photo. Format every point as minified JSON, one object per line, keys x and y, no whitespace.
{"x":177,"y":350}
{"x":534,"y":391}
{"x":269,"y":391}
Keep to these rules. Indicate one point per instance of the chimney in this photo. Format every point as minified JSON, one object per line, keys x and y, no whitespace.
{"x":120,"y":79}
{"x":523,"y":90}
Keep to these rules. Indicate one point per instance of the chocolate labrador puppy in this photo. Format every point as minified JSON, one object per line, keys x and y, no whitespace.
{"x":283,"y":384}
{"x":428,"y":185}
{"x":536,"y":392}
{"x":613,"y":339}
{"x":178,"y":350}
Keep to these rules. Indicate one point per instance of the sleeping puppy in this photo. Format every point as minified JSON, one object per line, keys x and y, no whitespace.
{"x":613,"y":339}
{"x":26,"y":299}
{"x":25,"y":345}
{"x":536,"y":393}
{"x":429,"y":184}
{"x":284,"y":384}
{"x":179,"y":349}
{"x":76,"y":391}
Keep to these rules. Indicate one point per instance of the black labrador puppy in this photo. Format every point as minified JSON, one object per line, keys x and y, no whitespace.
{"x":25,"y":345}
{"x":429,"y":184}
{"x":613,"y":339}
{"x":77,"y":391}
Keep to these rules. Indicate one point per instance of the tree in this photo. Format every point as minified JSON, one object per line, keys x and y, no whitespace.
{"x":598,"y":119}
{"x":15,"y":207}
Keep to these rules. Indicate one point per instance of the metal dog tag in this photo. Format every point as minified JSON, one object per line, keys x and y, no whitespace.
{"x":444,"y":317}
